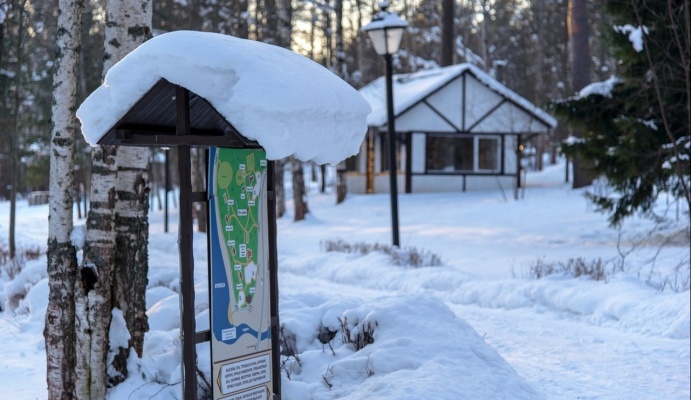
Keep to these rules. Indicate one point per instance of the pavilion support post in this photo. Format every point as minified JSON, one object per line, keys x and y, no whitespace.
{"x":167,"y":189}
{"x":519,"y":155}
{"x":189,"y":353}
{"x":273,"y":281}
{"x":408,"y":162}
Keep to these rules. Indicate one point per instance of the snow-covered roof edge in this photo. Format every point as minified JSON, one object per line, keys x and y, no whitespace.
{"x":374,"y":92}
{"x":289,"y":104}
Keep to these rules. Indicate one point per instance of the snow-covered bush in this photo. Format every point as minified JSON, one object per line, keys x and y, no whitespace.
{"x":10,"y":268}
{"x":676,"y":279}
{"x":596,"y":269}
{"x":359,"y":334}
{"x":407,"y":256}
{"x":14,"y":291}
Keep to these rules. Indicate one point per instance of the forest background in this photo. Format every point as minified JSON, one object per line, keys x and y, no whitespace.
{"x":525,"y":44}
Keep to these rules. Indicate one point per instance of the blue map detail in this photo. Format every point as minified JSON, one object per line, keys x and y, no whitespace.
{"x":221,"y":296}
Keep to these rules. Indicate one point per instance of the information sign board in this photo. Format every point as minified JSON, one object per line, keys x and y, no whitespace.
{"x":240,"y":278}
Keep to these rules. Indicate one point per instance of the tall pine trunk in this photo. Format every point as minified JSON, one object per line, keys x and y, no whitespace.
{"x":360,"y":51}
{"x":199,"y":185}
{"x":284,"y":12}
{"x":299,"y":193}
{"x":59,"y":329}
{"x":285,"y":25}
{"x":448,"y":36}
{"x":12,"y":138}
{"x":280,"y":188}
{"x":285,"y":15}
{"x":340,"y":66}
{"x":579,"y":57}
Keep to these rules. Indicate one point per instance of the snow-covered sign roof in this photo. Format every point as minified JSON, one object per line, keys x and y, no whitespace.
{"x":287,"y":103}
{"x":411,"y":89}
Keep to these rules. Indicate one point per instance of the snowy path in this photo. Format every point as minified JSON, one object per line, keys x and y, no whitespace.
{"x":567,"y":359}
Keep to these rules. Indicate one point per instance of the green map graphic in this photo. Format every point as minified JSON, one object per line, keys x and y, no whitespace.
{"x":240,"y":176}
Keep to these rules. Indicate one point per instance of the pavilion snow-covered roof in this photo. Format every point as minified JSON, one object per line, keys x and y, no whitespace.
{"x":410,"y":89}
{"x":283,"y":101}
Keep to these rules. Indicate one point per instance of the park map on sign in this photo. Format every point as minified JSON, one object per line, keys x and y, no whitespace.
{"x":238,"y":179}
{"x":240,"y":291}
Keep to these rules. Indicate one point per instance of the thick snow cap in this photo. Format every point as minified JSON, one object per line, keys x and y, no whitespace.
{"x":289,"y":104}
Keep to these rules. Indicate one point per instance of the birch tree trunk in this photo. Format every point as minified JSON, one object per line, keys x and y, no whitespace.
{"x":93,"y":290}
{"x":59,"y":329}
{"x":128,"y":24}
{"x":131,"y":254}
{"x":115,"y":265}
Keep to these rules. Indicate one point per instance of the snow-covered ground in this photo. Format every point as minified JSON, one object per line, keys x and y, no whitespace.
{"x":476,"y":327}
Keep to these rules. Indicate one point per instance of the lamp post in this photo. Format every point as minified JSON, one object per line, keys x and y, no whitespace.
{"x":385,"y":32}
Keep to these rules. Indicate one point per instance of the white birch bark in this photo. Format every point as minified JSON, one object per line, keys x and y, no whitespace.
{"x":62,"y":263}
{"x":128,"y":24}
{"x":93,"y":291}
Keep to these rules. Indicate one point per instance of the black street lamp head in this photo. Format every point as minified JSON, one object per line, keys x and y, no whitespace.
{"x":385,"y":30}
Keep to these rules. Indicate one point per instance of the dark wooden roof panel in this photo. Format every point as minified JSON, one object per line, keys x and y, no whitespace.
{"x":152,"y":122}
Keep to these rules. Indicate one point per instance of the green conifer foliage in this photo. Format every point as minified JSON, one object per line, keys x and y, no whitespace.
{"x":636,"y":126}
